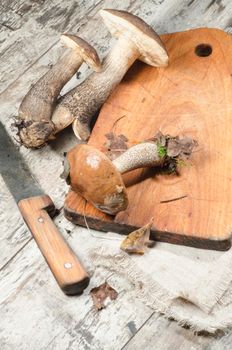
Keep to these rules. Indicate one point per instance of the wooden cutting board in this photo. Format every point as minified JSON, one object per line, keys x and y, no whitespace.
{"x":193,"y":96}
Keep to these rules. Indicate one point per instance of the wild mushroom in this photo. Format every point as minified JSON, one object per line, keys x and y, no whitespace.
{"x":35,"y":112}
{"x":98,"y":179}
{"x":136,"y":40}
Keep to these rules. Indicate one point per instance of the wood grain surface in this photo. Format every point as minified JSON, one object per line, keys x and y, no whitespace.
{"x":191,"y":97}
{"x":66,"y":268}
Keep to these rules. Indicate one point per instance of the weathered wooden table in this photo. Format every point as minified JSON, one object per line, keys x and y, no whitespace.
{"x":34,"y":312}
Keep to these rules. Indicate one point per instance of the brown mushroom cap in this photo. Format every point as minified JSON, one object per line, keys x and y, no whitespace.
{"x":149,"y":44}
{"x":94,"y":177}
{"x":86,"y":51}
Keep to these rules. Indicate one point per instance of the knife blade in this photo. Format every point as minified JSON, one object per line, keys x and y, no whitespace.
{"x":37,"y":209}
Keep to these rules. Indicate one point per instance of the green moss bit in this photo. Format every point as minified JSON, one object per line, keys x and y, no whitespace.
{"x":162,"y":151}
{"x":181,"y":163}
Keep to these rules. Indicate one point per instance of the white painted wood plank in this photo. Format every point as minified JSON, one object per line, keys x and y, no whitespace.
{"x":161,"y":334}
{"x":38,"y":34}
{"x":174,"y":16}
{"x":35,"y":314}
{"x":222,"y":344}
{"x":14,"y":234}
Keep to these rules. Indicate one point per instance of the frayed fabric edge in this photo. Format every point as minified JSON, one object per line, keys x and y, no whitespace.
{"x":212,"y":293}
{"x":153,"y":295}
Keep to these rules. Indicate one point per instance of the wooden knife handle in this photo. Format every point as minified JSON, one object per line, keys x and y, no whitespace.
{"x":66,"y":268}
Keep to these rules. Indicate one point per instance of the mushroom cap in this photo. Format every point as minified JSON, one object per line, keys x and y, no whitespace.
{"x":86,"y":51}
{"x":93,"y":176}
{"x":149,"y":44}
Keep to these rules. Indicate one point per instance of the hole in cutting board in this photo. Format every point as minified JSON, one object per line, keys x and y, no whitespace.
{"x":203,"y":50}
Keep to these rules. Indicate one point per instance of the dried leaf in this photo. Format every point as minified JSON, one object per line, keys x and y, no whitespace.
{"x":115,"y":145}
{"x":181,"y":147}
{"x":138,"y":240}
{"x":160,"y":138}
{"x":100,"y":293}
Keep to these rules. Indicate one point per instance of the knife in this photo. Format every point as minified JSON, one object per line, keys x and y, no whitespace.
{"x":37,"y":209}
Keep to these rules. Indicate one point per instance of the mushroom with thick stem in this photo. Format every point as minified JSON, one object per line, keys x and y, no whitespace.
{"x":35,"y":112}
{"x":98,"y":179}
{"x":136,"y":40}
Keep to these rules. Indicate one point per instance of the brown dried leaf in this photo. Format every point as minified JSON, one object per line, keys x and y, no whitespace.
{"x":182,"y":147}
{"x":100,"y":293}
{"x":115,"y":145}
{"x":160,"y":138}
{"x":138,"y":240}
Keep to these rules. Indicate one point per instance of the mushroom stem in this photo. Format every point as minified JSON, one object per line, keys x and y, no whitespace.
{"x":35,"y":112}
{"x":60,"y":73}
{"x":139,"y":156}
{"x":37,"y":106}
{"x":42,"y":96}
{"x":95,"y":177}
{"x":136,"y":40}
{"x":82,"y":102}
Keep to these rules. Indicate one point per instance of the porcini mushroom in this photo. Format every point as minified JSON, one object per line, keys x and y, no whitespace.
{"x":35,"y":112}
{"x":136,"y":40}
{"x":98,"y":179}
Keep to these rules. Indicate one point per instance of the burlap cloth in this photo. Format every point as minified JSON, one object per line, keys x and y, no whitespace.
{"x":190,"y":285}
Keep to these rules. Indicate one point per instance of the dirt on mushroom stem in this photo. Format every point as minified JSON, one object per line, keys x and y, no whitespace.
{"x":34,"y":134}
{"x":175,"y":151}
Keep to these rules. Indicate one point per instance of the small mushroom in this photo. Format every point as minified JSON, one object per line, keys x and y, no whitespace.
{"x":136,"y":40}
{"x":98,"y":179}
{"x":35,"y":112}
